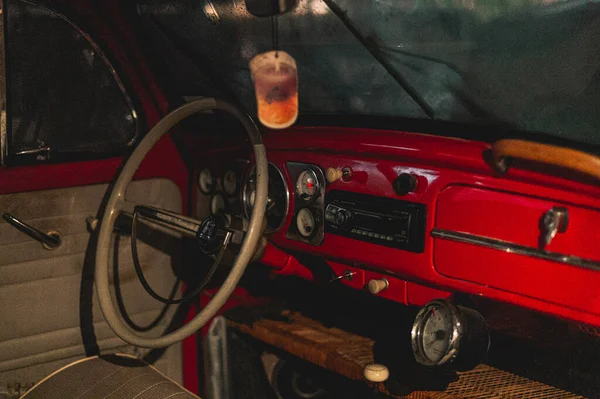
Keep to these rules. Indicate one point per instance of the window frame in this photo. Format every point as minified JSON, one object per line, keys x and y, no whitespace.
{"x":45,"y":154}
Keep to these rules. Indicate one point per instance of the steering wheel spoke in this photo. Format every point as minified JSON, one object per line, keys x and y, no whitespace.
{"x":170,"y":220}
{"x":215,"y":231}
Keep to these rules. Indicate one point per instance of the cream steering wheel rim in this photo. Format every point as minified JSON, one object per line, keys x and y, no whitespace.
{"x":115,"y":203}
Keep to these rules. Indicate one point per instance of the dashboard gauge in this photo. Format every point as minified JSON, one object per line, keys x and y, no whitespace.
{"x":217,"y":204}
{"x":230,"y":182}
{"x":444,"y":333}
{"x":277,"y":202}
{"x":206,"y":181}
{"x":305,"y":222}
{"x":307,"y":185}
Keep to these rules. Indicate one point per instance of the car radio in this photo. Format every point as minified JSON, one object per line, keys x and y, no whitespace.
{"x":378,"y":220}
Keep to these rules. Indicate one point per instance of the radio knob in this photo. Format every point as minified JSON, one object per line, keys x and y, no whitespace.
{"x":342,"y":217}
{"x":376,"y":286}
{"x":405,"y":183}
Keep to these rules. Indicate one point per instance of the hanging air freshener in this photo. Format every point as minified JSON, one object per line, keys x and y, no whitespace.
{"x":275,"y":80}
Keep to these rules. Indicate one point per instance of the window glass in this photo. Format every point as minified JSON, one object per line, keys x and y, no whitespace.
{"x":62,"y":93}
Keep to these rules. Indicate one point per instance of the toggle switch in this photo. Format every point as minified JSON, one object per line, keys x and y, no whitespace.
{"x":334,"y":174}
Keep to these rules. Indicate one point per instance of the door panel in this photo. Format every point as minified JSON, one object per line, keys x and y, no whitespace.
{"x":40,"y":299}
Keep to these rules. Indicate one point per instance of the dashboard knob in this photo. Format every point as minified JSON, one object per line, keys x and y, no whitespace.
{"x":376,"y":286}
{"x":333,"y":174}
{"x":405,"y":183}
{"x":376,"y":372}
{"x":342,"y":217}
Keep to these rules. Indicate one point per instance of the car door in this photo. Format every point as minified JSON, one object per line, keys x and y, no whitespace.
{"x":72,"y":106}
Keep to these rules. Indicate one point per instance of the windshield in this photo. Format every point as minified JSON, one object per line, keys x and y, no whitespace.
{"x":529,"y":65}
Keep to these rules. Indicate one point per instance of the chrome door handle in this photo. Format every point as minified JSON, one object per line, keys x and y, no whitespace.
{"x":556,"y":220}
{"x":50,"y":240}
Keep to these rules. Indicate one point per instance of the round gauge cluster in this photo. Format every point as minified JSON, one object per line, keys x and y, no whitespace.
{"x":444,"y":333}
{"x":207,"y":183}
{"x":230,"y":182}
{"x":307,"y":185}
{"x":217,"y":204}
{"x":277,"y":202}
{"x":306,"y":222}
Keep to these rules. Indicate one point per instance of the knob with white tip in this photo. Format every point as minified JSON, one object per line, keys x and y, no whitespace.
{"x":376,"y":372}
{"x":376,"y":286}
{"x":333,"y":174}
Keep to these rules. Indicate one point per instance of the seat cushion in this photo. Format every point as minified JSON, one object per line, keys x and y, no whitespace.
{"x":112,"y":376}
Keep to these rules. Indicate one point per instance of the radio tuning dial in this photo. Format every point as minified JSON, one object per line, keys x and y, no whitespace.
{"x":342,"y":217}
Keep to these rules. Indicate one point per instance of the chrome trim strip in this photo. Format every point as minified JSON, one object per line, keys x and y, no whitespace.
{"x":518,"y":249}
{"x":245,"y":208}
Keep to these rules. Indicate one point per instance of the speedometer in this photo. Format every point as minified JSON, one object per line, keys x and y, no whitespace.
{"x":277,"y":202}
{"x":307,"y":185}
{"x":444,"y":333}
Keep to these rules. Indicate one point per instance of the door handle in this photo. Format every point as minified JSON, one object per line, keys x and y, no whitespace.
{"x":50,"y":240}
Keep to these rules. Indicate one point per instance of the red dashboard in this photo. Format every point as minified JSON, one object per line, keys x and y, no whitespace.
{"x":484,"y":231}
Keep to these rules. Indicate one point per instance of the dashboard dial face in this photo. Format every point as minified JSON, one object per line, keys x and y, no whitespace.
{"x":277,"y":202}
{"x":206,"y":181}
{"x":217,"y":204}
{"x":305,"y":222}
{"x":307,"y":185}
{"x":230,"y":182}
{"x":434,"y":333}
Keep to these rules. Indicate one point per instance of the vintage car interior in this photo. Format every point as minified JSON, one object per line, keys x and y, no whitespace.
{"x":300,"y":199}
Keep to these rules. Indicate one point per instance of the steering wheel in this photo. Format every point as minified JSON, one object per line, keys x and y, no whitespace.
{"x":213,"y":233}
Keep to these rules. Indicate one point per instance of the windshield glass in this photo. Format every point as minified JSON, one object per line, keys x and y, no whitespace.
{"x":529,"y":65}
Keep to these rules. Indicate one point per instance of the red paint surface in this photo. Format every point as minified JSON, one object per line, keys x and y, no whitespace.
{"x":516,"y":218}
{"x":284,"y":264}
{"x":507,"y":207}
{"x":396,"y":290}
{"x":357,"y":279}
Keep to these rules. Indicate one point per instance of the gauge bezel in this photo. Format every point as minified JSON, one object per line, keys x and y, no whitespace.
{"x":236,"y":173}
{"x":214,"y":181}
{"x":213,"y":199}
{"x":315,"y":219}
{"x":317,"y":188}
{"x":416,"y":334}
{"x":246,"y":208}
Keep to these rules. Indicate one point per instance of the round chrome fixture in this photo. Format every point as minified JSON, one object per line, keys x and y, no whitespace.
{"x":307,"y":185}
{"x":306,"y":222}
{"x":207,"y":181}
{"x":444,"y":333}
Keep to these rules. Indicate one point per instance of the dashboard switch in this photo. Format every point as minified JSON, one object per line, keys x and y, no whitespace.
{"x":376,"y":372}
{"x":333,"y":174}
{"x":405,"y":183}
{"x":376,"y":286}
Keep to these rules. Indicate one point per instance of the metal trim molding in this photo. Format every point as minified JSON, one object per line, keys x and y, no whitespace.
{"x":517,"y":249}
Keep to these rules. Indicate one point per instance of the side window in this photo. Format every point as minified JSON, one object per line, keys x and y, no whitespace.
{"x":64,"y":98}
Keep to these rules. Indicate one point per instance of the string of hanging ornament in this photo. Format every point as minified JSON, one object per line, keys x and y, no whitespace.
{"x":275,"y":35}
